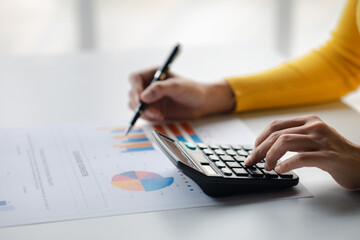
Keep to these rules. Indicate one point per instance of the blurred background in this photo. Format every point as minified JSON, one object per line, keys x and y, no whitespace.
{"x":63,"y":27}
{"x":32,"y":27}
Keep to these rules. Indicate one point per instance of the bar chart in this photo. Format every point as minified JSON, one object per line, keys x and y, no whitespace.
{"x":181,"y":131}
{"x":138,"y":141}
{"x":135,"y":141}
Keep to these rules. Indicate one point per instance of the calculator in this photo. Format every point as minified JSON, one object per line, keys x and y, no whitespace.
{"x":219,"y":169}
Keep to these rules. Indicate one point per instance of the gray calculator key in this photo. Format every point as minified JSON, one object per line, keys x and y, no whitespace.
{"x":202,"y":145}
{"x":240,"y":158}
{"x":214,"y":158}
{"x":233,"y":164}
{"x":226,"y":171}
{"x":286,"y":175}
{"x":260,"y":165}
{"x":208,"y":152}
{"x":214,"y":146}
{"x":226,"y":158}
{"x":240,"y":172}
{"x":231,"y":152}
{"x":247,"y":148}
{"x":254,"y":172}
{"x":270,"y":174}
{"x":236,"y":147}
{"x":220,"y":164}
{"x":219,"y":152}
{"x":225,"y":147}
{"x":242,"y":152}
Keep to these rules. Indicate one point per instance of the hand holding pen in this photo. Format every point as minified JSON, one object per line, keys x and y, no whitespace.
{"x":178,"y":97}
{"x":159,"y":75}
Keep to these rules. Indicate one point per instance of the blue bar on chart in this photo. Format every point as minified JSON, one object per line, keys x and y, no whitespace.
{"x":188,"y":129}
{"x":176,"y":132}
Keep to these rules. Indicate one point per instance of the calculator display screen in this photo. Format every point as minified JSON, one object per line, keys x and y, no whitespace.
{"x":175,"y":150}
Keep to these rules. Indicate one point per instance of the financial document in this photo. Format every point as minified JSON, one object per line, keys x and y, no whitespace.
{"x":75,"y":171}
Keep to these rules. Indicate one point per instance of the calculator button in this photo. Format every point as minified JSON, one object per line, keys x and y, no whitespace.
{"x":226,"y":171}
{"x":242,"y":152}
{"x":286,"y":175}
{"x":254,"y":172}
{"x":225,"y":147}
{"x":240,"y":172}
{"x":214,"y":146}
{"x":236,"y":147}
{"x":219,"y":152}
{"x":247,"y":148}
{"x":190,"y":146}
{"x":202,"y":145}
{"x":260,"y":165}
{"x":220,"y":164}
{"x":270,"y":174}
{"x":209,"y":170}
{"x":208,"y":152}
{"x":214,"y":158}
{"x":233,"y":164}
{"x":240,"y":158}
{"x":226,"y":158}
{"x":231,"y":152}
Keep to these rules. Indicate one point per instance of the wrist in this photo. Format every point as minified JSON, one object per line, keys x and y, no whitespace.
{"x":218,"y":98}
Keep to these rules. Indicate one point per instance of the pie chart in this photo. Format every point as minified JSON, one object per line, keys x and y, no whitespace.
{"x":141,"y":181}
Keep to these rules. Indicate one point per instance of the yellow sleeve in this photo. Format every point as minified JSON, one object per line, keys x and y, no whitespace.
{"x":324,"y":74}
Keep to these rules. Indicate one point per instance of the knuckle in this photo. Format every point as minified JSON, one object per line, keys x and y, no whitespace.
{"x":318,"y":126}
{"x":274,"y":125}
{"x":274,"y":136}
{"x":312,"y":117}
{"x":284,"y":139}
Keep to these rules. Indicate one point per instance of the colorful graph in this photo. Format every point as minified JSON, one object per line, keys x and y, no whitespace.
{"x":181,"y":131}
{"x":141,"y":181}
{"x":135,"y":141}
{"x":186,"y":126}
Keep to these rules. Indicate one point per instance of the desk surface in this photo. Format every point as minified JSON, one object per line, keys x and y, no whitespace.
{"x":43,"y":90}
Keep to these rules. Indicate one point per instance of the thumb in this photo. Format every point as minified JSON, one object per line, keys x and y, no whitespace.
{"x":169,"y":88}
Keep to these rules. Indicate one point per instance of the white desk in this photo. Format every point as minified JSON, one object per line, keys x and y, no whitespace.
{"x":42,"y":90}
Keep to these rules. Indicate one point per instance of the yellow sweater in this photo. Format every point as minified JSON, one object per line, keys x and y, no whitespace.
{"x":324,"y":74}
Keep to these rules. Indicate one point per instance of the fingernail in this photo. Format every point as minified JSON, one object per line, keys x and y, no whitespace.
{"x":278,"y":169}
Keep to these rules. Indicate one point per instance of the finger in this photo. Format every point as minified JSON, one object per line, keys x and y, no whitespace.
{"x":289,"y":142}
{"x":153,"y":114}
{"x":307,"y":159}
{"x":260,"y":152}
{"x":142,"y":79}
{"x":133,"y":100}
{"x":278,"y":125}
{"x":170,"y":88}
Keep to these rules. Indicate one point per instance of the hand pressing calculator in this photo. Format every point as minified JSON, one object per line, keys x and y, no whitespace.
{"x":219,"y":169}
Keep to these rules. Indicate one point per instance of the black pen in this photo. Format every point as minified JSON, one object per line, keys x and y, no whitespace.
{"x":158,"y":76}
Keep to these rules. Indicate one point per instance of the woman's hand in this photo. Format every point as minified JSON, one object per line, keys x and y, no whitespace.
{"x":177,"y":97}
{"x":317,"y":145}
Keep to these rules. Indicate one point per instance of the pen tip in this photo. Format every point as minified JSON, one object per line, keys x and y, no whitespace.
{"x":128,"y":130}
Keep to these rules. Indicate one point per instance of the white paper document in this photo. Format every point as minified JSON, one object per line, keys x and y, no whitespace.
{"x":74,"y":171}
